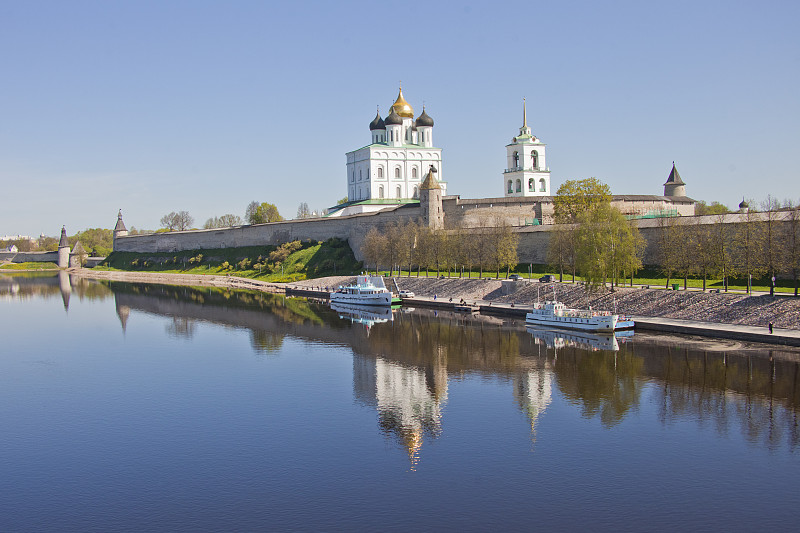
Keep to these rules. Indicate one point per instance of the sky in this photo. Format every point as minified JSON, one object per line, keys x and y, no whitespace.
{"x":160,"y":106}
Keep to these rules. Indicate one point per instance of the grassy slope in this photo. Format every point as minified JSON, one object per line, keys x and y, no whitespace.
{"x":313,"y":259}
{"x":30,"y":266}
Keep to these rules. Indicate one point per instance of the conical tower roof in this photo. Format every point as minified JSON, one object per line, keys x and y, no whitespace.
{"x":120,"y":224}
{"x":63,"y":241}
{"x":674,"y":178}
{"x":430,"y":181}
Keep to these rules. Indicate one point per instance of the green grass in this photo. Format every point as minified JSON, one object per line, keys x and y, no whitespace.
{"x":33,"y":265}
{"x":308,"y":259}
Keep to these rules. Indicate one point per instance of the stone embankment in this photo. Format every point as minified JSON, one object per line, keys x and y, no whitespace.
{"x":728,"y":308}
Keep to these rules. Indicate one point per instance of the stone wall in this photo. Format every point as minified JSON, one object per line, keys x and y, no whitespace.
{"x":351,"y":228}
{"x":29,"y":257}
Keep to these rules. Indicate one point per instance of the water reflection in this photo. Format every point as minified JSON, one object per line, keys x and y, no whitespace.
{"x":403,"y":361}
{"x":559,"y":338}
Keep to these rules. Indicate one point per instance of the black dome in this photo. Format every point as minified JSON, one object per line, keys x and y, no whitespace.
{"x":394,"y":119}
{"x":424,"y":119}
{"x":377,"y":123}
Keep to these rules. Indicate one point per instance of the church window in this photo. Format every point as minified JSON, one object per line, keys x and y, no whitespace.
{"x":398,"y":192}
{"x":519,"y":186}
{"x":353,"y":177}
{"x":414,"y":172}
{"x":535,"y":160}
{"x":416,"y":192}
{"x":380,"y":191}
{"x":531,"y":185}
{"x":542,"y":185}
{"x":380,"y":172}
{"x":397,"y":173}
{"x":360,"y":175}
{"x":516,"y":161}
{"x":510,"y":187}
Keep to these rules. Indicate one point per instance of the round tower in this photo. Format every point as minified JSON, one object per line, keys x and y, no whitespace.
{"x":63,"y":249}
{"x":119,"y":230}
{"x":674,"y":185}
{"x":430,"y":200}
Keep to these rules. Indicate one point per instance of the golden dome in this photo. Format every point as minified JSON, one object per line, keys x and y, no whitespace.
{"x":401,"y":107}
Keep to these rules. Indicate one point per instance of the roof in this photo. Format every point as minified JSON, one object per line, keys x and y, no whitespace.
{"x":430,"y":181}
{"x":63,"y":241}
{"x":674,"y":178}
{"x":120,"y":224}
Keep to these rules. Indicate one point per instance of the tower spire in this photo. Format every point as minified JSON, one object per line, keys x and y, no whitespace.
{"x":524,"y":114}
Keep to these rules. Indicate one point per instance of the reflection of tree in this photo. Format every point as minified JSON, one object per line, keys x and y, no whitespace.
{"x":603,"y":384}
{"x":266,"y":342}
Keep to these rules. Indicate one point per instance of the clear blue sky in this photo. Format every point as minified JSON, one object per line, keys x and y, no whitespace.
{"x":155,"y":106}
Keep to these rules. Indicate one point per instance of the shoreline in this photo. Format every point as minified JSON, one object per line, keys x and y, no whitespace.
{"x":652,"y":309}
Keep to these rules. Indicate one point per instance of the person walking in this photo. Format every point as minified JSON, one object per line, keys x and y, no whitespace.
{"x":770,"y":328}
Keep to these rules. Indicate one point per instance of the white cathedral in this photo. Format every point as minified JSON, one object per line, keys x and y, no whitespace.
{"x":390,"y":170}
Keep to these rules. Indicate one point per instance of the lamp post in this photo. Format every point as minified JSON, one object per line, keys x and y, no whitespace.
{"x":772,"y":289}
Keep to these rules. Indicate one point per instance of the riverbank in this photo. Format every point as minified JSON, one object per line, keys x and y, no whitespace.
{"x":726,"y":315}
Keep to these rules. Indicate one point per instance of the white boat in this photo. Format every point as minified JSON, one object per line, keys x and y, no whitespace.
{"x":557,"y":314}
{"x":367,"y":290}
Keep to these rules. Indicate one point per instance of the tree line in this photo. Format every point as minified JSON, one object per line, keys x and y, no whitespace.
{"x":412,"y":246}
{"x":763,"y":242}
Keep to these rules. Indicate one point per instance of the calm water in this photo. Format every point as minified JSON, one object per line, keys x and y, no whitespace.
{"x":150,"y":408}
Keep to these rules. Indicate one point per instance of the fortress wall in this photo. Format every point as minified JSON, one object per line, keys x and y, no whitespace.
{"x":350,"y":228}
{"x":473,"y":213}
{"x":29,"y":257}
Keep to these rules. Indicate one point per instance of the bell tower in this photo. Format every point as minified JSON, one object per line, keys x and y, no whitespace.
{"x":526,"y":173}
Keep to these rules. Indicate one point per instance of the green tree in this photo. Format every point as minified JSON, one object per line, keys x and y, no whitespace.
{"x":714,"y":208}
{"x":262,"y":213}
{"x":99,"y":241}
{"x":792,"y":242}
{"x":504,"y":249}
{"x":608,"y":246}
{"x":577,"y":196}
{"x":342,"y":201}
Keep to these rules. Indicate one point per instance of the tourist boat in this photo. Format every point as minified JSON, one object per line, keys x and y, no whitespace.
{"x":367,"y":290}
{"x":557,"y":314}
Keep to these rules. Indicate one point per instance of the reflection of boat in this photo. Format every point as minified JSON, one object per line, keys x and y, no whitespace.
{"x":553,"y":313}
{"x":363,"y":315}
{"x":579,"y":339}
{"x":367,"y":290}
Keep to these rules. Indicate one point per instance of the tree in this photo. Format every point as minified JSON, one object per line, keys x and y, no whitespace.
{"x":748,"y":254}
{"x":608,"y":246}
{"x":225,"y":221}
{"x":373,"y":247}
{"x":668,"y":246}
{"x":342,"y":201}
{"x":792,"y":240}
{"x":560,"y":250}
{"x":303,"y":211}
{"x":262,"y":213}
{"x":770,"y":236}
{"x":179,"y":221}
{"x":714,"y":208}
{"x":100,"y":241}
{"x":577,"y":196}
{"x":701,"y":249}
{"x":504,"y":249}
{"x":722,"y":249}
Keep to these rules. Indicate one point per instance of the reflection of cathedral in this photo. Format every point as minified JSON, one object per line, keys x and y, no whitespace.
{"x":533,"y":391}
{"x":409,"y":400}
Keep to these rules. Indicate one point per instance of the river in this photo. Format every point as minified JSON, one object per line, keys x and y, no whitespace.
{"x":156,"y":408}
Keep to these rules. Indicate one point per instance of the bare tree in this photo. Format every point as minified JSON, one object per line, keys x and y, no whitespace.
{"x":373,"y":248}
{"x":792,"y":240}
{"x":770,"y":237}
{"x":225,"y":221}
{"x":179,"y":221}
{"x":748,"y":250}
{"x":303,"y":211}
